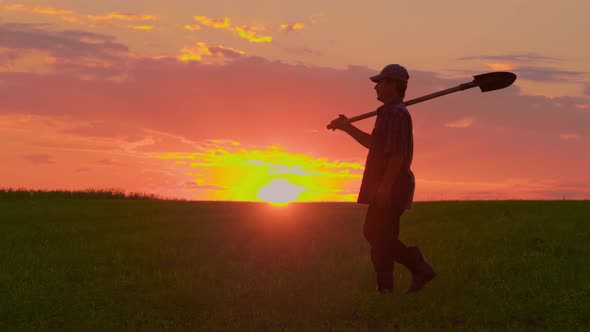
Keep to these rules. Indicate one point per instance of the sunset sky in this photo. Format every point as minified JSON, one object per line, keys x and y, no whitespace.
{"x":229,"y":100}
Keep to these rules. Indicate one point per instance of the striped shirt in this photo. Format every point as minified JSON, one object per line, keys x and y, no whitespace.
{"x":391,"y":135}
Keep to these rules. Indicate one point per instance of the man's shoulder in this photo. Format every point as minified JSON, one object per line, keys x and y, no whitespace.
{"x":401,"y":107}
{"x":398,"y":110}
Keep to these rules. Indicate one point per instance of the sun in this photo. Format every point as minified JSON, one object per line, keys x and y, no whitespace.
{"x":279,"y":192}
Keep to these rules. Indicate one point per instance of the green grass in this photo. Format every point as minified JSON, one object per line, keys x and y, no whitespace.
{"x":108,"y":265}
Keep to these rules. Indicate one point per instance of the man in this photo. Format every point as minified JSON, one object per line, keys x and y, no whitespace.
{"x":388,"y":183}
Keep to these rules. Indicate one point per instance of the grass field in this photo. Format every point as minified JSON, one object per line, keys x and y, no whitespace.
{"x":108,"y":265}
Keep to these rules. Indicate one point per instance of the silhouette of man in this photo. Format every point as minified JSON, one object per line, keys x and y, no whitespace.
{"x":388,"y":183}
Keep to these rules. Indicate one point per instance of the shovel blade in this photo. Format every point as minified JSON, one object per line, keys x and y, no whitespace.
{"x":494,"y":81}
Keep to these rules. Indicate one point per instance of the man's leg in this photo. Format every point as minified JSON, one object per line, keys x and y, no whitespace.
{"x":397,"y":247}
{"x":380,"y":231}
{"x":412,"y":258}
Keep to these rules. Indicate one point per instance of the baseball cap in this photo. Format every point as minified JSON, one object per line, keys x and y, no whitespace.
{"x":393,"y":71}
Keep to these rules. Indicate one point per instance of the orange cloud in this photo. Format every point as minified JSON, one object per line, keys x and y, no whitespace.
{"x":219,"y":23}
{"x":247,"y":32}
{"x":193,"y":27}
{"x":196,"y":53}
{"x":37,"y":10}
{"x":251,"y":36}
{"x":462,"y":123}
{"x":122,"y":16}
{"x":501,"y":66}
{"x":75,"y":20}
{"x":292,"y":26}
{"x":71,"y":16}
{"x":569,"y":136}
{"x":143,"y":27}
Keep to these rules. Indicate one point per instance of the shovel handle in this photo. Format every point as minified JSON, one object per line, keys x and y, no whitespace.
{"x":486,"y":82}
{"x":461,"y":87}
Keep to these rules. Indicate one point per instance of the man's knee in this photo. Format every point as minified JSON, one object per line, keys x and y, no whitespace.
{"x":381,"y":220}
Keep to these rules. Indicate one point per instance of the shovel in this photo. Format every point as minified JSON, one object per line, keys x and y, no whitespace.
{"x":486,"y":82}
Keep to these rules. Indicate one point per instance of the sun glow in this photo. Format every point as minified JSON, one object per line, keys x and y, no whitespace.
{"x":279,"y":192}
{"x":229,"y":171}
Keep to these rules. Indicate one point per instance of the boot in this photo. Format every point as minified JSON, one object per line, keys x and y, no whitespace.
{"x":422,"y":272}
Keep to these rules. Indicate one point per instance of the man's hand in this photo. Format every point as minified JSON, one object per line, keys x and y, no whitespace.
{"x":383,"y":195}
{"x":341,"y":123}
{"x":360,"y":136}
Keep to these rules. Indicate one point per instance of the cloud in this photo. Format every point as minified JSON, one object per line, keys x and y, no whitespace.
{"x":297,"y":49}
{"x":569,"y":136}
{"x":530,"y":66}
{"x":132,"y":147}
{"x":548,"y":74}
{"x":291,"y":26}
{"x":225,"y":52}
{"x":8,"y":56}
{"x":258,"y":102}
{"x":110,"y":162}
{"x":462,"y":123}
{"x":67,"y":51}
{"x":68,"y":44}
{"x":37,"y":10}
{"x":306,"y":94}
{"x":39,"y":158}
{"x":501,"y":66}
{"x":250,"y":33}
{"x":143,"y":27}
{"x":192,"y":27}
{"x":219,"y":23}
{"x":123,"y":17}
{"x":516,"y":57}
{"x":197,"y":52}
{"x":90,"y":20}
{"x":302,"y":51}
{"x":98,"y":129}
{"x":539,"y":73}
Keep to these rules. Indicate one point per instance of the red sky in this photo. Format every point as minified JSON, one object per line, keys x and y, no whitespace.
{"x":215,"y":110}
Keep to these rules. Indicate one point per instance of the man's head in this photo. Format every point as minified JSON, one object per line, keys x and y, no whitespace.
{"x":392,"y":83}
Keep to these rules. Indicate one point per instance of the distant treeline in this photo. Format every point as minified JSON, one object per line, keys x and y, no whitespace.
{"x":77,"y":194}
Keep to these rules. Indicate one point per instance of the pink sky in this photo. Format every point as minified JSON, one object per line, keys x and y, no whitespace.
{"x":217,"y":100}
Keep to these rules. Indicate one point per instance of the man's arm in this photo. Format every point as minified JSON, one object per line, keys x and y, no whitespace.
{"x":360,"y":136}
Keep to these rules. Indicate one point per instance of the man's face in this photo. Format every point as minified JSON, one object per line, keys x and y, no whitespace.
{"x":386,"y":89}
